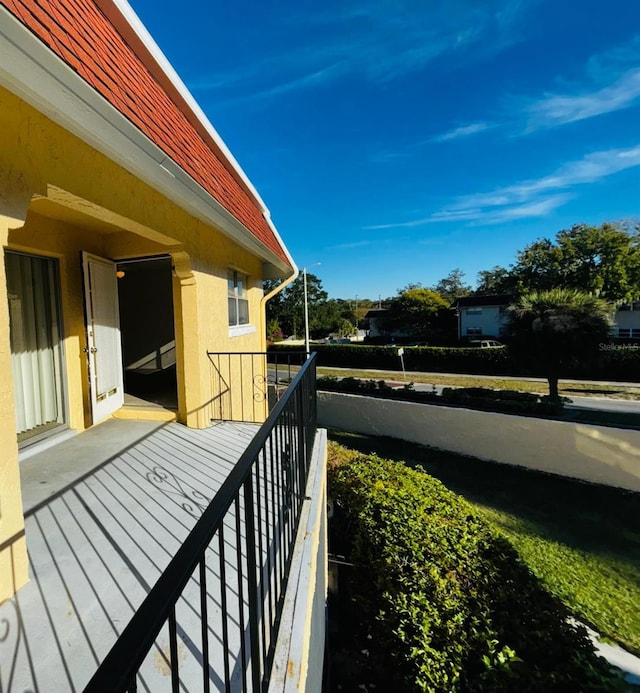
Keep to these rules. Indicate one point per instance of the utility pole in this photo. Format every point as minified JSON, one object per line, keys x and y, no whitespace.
{"x":306,"y":311}
{"x":356,"y":312}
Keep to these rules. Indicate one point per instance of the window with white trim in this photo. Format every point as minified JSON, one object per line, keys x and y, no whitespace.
{"x":474,"y":311}
{"x":474,"y":332}
{"x":237,"y":298}
{"x":629,"y":332}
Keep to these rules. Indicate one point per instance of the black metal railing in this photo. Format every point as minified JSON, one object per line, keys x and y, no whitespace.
{"x":211,"y":620}
{"x":245,"y":386}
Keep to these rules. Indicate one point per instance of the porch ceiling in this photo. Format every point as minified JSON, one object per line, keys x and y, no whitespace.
{"x":64,"y":206}
{"x":53,"y":210}
{"x":105,"y":512}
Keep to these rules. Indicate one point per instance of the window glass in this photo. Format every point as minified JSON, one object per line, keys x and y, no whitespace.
{"x":238,"y":302}
{"x":233,"y":313}
{"x":36,"y":343}
{"x":243,"y":312}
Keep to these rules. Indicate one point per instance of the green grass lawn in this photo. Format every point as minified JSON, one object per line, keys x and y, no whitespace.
{"x":581,"y":540}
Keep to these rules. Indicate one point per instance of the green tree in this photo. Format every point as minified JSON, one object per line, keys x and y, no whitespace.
{"x":553,"y":330}
{"x":414,"y":311}
{"x":496,"y":281}
{"x":274,"y":332}
{"x":452,"y":286}
{"x":293,"y":302}
{"x":345,"y":328}
{"x":603,"y":261}
{"x":287,"y":308}
{"x":325,"y":317}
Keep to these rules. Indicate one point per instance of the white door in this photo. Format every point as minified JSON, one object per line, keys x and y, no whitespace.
{"x":103,"y":336}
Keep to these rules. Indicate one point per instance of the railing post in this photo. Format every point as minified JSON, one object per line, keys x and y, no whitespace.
{"x":254,"y":637}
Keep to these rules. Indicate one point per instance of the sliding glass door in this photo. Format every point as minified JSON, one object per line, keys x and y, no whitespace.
{"x":36,"y":358}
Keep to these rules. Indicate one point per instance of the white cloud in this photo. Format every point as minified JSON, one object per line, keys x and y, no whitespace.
{"x":589,"y":169}
{"x":531,"y":210}
{"x":409,"y":150}
{"x":480,"y":216}
{"x":372,"y":41}
{"x":531,"y":198}
{"x":461,"y":132}
{"x":559,"y":109}
{"x":349,"y":246}
{"x":610,"y":81}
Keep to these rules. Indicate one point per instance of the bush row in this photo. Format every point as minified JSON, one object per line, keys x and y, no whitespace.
{"x":506,"y":401}
{"x":455,"y":607}
{"x":613,"y":362}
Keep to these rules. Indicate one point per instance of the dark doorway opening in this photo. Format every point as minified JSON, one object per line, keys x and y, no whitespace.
{"x":145,"y":294}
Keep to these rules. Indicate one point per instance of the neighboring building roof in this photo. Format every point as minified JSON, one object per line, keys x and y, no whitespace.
{"x":377,"y":313}
{"x":101,"y":43}
{"x":476,"y":301}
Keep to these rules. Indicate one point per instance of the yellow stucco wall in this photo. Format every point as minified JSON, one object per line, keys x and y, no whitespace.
{"x":13,"y":551}
{"x":68,"y":198}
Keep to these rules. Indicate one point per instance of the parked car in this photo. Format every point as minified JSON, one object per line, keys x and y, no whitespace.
{"x":485,"y":344}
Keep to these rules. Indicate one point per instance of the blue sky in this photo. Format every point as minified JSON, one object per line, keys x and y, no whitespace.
{"x":394,"y":140}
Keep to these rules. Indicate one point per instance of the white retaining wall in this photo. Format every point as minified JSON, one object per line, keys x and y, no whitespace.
{"x":299,"y":655}
{"x":598,"y":454}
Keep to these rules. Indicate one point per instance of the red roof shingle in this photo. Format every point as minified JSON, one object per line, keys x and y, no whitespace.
{"x":82,"y":35}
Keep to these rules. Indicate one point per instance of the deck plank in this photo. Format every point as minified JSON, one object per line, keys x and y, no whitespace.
{"x":101,"y":540}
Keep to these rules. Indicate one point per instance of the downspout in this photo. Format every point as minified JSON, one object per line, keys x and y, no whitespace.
{"x":281,"y":286}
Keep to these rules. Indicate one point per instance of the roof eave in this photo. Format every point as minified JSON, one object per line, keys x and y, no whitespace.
{"x":33,"y":72}
{"x":134,"y":31}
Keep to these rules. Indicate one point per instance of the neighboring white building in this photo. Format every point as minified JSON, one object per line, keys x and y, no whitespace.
{"x":481,"y":316}
{"x":376,"y":317}
{"x":485,"y":316}
{"x":377,"y":328}
{"x":627,"y":321}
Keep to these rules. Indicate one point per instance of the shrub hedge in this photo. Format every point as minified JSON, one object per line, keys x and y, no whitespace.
{"x":613,"y":362}
{"x":505,"y":401}
{"x":456,"y":608}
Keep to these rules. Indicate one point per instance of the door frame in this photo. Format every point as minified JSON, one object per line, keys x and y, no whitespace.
{"x":102,"y":404}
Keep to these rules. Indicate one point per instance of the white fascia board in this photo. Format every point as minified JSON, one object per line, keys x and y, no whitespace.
{"x":134,"y":22}
{"x":29,"y":69}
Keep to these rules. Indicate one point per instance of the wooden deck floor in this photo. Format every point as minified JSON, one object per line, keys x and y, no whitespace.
{"x":98,"y":543}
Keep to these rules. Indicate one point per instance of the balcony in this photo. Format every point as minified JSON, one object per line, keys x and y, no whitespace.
{"x":186,"y":551}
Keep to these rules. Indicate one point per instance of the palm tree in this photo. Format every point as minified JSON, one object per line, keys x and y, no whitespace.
{"x":553,"y":330}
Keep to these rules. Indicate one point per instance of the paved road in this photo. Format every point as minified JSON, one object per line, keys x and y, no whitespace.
{"x":621,"y":406}
{"x":594,"y":403}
